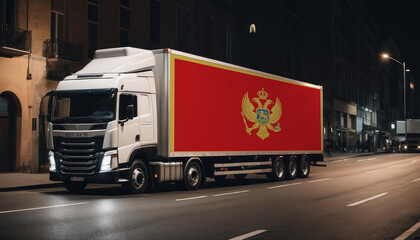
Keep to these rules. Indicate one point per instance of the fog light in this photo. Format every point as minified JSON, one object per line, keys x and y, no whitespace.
{"x":110,"y":161}
{"x":52,"y":161}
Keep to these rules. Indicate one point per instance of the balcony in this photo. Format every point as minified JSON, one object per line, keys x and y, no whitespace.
{"x":63,"y":58}
{"x":62,"y":50}
{"x":14,"y":41}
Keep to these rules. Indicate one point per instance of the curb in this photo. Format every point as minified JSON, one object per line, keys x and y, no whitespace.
{"x":31,"y":187}
{"x":349,"y":157}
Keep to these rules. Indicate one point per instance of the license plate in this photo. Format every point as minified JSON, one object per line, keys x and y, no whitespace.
{"x":77,"y":179}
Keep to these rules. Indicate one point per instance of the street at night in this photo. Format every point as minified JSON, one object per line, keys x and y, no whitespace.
{"x":209,"y":119}
{"x":368,"y":197}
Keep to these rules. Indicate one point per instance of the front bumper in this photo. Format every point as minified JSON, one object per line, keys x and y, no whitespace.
{"x":104,"y":177}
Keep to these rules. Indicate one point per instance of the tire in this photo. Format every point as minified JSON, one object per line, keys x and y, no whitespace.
{"x":304,"y":167}
{"x":138,"y":178}
{"x":291,"y":168}
{"x":75,"y":187}
{"x":192,"y":176}
{"x":278,"y":170}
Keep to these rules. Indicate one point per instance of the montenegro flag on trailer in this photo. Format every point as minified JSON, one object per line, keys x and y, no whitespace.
{"x":222,"y":108}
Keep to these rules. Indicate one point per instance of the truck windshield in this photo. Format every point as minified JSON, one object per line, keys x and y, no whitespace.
{"x":83,"y":106}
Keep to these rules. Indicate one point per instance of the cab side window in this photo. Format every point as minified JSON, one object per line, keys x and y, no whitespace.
{"x":127,"y":102}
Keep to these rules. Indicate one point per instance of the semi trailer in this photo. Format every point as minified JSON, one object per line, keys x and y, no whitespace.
{"x":143,"y":117}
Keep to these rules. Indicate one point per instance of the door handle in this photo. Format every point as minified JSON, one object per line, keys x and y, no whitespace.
{"x":137,"y":137}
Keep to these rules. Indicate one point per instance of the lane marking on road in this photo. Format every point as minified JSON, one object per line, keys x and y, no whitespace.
{"x":342,"y":160}
{"x":46,"y":207}
{"x":410,"y":231}
{"x":285,"y":185}
{"x":398,"y":165}
{"x":418,"y":179}
{"x":248,"y":235}
{"x":191,"y":198}
{"x":367,"y":159}
{"x":367,"y":200}
{"x":230,"y":193}
{"x":374,"y":171}
{"x":320,"y":180}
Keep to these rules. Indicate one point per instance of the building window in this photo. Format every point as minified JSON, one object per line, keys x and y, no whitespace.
{"x":7,"y":13}
{"x":125,"y":22}
{"x":58,"y":20}
{"x":93,"y":27}
{"x":182,"y":28}
{"x":226,"y":44}
{"x":154,"y":21}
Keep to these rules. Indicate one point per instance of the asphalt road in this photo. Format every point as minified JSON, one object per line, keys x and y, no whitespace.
{"x":374,"y":197}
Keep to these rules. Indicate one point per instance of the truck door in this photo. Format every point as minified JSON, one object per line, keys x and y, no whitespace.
{"x":128,"y":127}
{"x":146,"y":120}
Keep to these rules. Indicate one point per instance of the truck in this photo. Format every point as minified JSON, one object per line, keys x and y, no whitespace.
{"x":144,"y":117}
{"x":411,"y":143}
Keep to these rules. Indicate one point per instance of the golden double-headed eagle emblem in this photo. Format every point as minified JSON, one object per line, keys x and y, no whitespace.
{"x":262,"y":118}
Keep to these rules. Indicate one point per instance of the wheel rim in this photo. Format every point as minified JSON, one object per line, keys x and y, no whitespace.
{"x":292,"y":168}
{"x":193,"y":176}
{"x":138,"y":178}
{"x":304,"y":166}
{"x":279,"y":169}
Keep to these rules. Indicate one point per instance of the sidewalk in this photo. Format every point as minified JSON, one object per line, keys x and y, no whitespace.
{"x":338,"y":156}
{"x":25,"y":181}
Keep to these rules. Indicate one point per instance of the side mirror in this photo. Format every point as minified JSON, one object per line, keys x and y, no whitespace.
{"x":130,"y":111}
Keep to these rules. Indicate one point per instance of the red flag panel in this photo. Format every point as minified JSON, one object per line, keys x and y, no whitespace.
{"x":212,"y":112}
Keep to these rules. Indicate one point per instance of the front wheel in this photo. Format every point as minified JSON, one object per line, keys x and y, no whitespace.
{"x":192,"y":176}
{"x":75,"y":187}
{"x":138,"y":177}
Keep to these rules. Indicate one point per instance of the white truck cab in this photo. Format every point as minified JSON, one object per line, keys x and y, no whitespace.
{"x":100,"y":115}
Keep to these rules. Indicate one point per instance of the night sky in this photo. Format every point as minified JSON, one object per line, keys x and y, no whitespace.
{"x":401,"y":20}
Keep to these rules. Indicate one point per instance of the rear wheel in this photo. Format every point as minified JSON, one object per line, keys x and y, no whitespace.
{"x":304,"y":167}
{"x":75,"y":187}
{"x":291,"y":168}
{"x":138,"y":177}
{"x":278,"y":170}
{"x":192,"y":176}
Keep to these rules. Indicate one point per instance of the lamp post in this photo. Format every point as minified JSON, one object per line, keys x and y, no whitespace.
{"x":386,"y":56}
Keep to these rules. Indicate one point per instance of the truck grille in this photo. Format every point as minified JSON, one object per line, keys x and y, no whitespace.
{"x":78,"y":156}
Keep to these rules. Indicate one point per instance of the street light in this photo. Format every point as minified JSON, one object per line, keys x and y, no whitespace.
{"x":386,"y":56}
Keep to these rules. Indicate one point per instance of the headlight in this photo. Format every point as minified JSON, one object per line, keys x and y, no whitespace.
{"x":418,"y":147}
{"x":52,"y":161}
{"x":405,"y":147}
{"x":110,"y":161}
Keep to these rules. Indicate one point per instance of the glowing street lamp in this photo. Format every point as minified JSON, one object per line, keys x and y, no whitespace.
{"x":386,"y":56}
